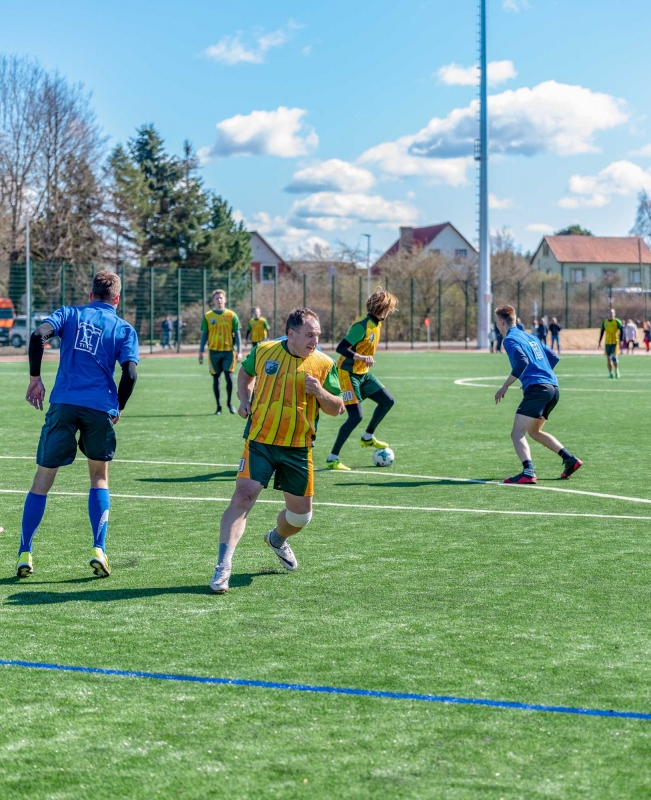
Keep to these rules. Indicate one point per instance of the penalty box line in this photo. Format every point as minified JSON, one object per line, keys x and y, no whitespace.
{"x":368,"y":506}
{"x":337,"y":690}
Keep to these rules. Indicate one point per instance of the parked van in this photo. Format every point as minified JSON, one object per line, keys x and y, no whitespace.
{"x":18,"y":333}
{"x":7,"y":316}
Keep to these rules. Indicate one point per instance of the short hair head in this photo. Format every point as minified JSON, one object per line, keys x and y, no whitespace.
{"x":219,"y":291}
{"x":381,"y":303}
{"x":106,"y":285}
{"x":297,"y":317}
{"x":507,"y":313}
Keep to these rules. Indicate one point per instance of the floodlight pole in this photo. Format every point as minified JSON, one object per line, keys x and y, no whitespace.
{"x":484,"y":296}
{"x":368,"y":263}
{"x":28,"y":283}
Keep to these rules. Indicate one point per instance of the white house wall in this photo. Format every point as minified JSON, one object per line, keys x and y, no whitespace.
{"x":448,"y":241}
{"x":262,"y":254}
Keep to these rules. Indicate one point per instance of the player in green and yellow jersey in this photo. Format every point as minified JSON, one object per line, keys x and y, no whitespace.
{"x":282,"y":386}
{"x":611,"y":327}
{"x":357,"y":349}
{"x":220,"y":327}
{"x":258,"y":328}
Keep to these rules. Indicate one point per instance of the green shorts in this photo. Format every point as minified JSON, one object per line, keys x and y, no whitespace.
{"x":355,"y":388}
{"x":221,"y":361}
{"x":58,"y":443}
{"x":612,"y":350}
{"x":292,"y":467}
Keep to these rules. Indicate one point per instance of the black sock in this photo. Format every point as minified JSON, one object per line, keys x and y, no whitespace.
{"x":228,"y":376}
{"x":215,"y":388}
{"x":528,"y":468}
{"x":354,"y":418}
{"x":565,"y":454}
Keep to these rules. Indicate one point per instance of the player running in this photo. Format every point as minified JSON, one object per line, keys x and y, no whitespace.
{"x":357,"y":349}
{"x":533,"y":363}
{"x":282,"y":386}
{"x":611,"y":327}
{"x":220,"y":327}
{"x":257,"y":329}
{"x":85,"y":400}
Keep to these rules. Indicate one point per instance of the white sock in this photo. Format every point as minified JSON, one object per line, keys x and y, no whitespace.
{"x":225,"y":555}
{"x":367,"y":437}
{"x":332,"y":457}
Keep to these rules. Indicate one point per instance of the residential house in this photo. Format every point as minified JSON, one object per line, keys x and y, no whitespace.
{"x":266,"y":264}
{"x":443,"y":239}
{"x":617,"y":260}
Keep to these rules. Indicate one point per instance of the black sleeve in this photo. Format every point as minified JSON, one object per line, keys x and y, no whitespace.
{"x":519,"y":361}
{"x":127,"y":382}
{"x":36,"y":346}
{"x":344,"y":349}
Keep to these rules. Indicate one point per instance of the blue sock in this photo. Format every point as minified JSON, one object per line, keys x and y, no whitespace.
{"x":99,"y":503}
{"x":32,"y":515}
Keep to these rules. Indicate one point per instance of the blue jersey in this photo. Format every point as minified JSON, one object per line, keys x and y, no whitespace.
{"x":531,"y":360}
{"x":93,"y":339}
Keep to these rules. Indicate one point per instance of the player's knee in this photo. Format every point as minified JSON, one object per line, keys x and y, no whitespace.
{"x":355,"y":415}
{"x":389,"y":400}
{"x":297,"y":520}
{"x":244,"y":497}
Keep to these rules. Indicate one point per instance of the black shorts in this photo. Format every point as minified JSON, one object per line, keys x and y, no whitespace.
{"x":58,"y":444}
{"x":538,"y":401}
{"x":221,"y":361}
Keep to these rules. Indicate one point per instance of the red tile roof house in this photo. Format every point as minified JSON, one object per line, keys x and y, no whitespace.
{"x":444,"y":239}
{"x":266,"y":264}
{"x":622,"y":260}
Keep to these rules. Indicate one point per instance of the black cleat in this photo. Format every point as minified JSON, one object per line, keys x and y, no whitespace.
{"x":231,"y":408}
{"x":521,"y":478}
{"x":570,"y":467}
{"x":219,"y":410}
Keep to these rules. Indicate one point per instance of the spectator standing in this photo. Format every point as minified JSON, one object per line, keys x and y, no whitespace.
{"x":555,"y":330}
{"x":519,"y":325}
{"x":498,"y":339}
{"x":542,"y":331}
{"x":534,"y":327}
{"x":647,"y":334}
{"x":166,"y":331}
{"x":630,"y":335}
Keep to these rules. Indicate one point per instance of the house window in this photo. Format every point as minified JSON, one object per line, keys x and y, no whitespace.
{"x":546,"y":250}
{"x":577,"y":275}
{"x":462,"y":253}
{"x":634,"y":277}
{"x":268,"y":273}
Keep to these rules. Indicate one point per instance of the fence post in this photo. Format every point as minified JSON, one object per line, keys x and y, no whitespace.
{"x":610,"y":295}
{"x":332,"y":318}
{"x":542,"y":305}
{"x":63,"y":284}
{"x":567,"y":304}
{"x":151,"y":309}
{"x":304,"y":290}
{"x":360,"y":295}
{"x":386,"y":321}
{"x":465,"y":337}
{"x":252,"y":296}
{"x":412,"y":313}
{"x":228,"y":286}
{"x":439,"y":313}
{"x":204,"y":292}
{"x":275,"y":302}
{"x":589,"y":305}
{"x":123,"y":297}
{"x":178,"y":310}
{"x":519,"y":297}
{"x":93,"y":271}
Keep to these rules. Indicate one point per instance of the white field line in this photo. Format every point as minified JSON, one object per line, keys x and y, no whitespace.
{"x":468,"y":383}
{"x":439,"y":509}
{"x":388,"y":474}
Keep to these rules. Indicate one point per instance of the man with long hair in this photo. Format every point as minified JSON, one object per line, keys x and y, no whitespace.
{"x":357,"y":350}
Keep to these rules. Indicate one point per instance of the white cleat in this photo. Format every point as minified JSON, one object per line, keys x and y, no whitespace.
{"x":284,"y":552}
{"x":219,"y":582}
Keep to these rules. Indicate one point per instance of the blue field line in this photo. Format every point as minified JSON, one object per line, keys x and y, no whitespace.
{"x":301,"y":687}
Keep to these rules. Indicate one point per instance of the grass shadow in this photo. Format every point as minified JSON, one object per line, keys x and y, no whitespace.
{"x":211,"y":476}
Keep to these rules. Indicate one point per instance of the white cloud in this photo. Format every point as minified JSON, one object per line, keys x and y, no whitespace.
{"x":539,"y":227}
{"x":548,"y":118}
{"x":497,"y":72}
{"x":394,"y":160}
{"x":515,"y":5}
{"x":645,"y":151}
{"x":252,"y":49}
{"x":282,"y":233}
{"x":497,"y":204}
{"x":307,"y":50}
{"x":595,"y":191}
{"x":331,"y":176}
{"x":282,"y":133}
{"x":335,"y":211}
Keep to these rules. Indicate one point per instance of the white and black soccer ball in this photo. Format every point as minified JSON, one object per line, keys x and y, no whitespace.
{"x":383,"y":457}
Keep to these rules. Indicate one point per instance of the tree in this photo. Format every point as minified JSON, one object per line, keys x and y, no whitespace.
{"x":642,"y":226}
{"x":573,"y":230}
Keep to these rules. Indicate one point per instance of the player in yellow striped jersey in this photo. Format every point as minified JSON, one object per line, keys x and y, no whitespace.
{"x":258,"y":328}
{"x":357,"y":349}
{"x":611,"y":327}
{"x":220,"y":328}
{"x":282,"y":386}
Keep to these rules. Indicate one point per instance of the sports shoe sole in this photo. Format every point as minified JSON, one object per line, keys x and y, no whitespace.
{"x":566,"y":475}
{"x":524,"y":481}
{"x":99,"y":570}
{"x":24,"y":571}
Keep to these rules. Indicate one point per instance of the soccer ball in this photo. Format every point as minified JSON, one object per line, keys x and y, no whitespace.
{"x":383,"y":457}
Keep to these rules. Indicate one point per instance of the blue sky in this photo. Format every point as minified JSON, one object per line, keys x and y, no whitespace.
{"x":359,"y":110}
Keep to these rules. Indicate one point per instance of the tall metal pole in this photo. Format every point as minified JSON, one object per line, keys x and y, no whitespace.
{"x":332,"y":320}
{"x":304,"y":290}
{"x":151,"y":310}
{"x":28,"y":283}
{"x":485,"y":300}
{"x":178,"y":309}
{"x":276,"y":302}
{"x":368,"y":263}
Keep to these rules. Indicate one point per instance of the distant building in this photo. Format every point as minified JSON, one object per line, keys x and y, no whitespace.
{"x":620,"y":260}
{"x":266,"y":264}
{"x":443,"y":239}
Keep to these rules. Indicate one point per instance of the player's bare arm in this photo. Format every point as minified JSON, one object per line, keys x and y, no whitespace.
{"x":245,"y":386}
{"x":499,"y":394}
{"x":329,"y":404}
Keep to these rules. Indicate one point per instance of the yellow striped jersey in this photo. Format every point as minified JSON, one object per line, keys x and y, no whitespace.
{"x":282,"y":412}
{"x":258,"y":329}
{"x":363,"y":337}
{"x":611,"y":328}
{"x":220,"y":327}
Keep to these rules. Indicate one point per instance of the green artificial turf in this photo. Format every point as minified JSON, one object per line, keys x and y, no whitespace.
{"x":535,"y":609}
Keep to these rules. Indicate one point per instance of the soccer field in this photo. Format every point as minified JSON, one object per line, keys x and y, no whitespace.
{"x":412,"y":579}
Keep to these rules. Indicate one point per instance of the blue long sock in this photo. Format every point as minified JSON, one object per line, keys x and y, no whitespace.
{"x":32,"y":515}
{"x":99,"y":503}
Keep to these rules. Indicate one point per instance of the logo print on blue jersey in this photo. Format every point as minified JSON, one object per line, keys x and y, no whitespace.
{"x":271,"y":367}
{"x":88,"y":337}
{"x":537,"y":350}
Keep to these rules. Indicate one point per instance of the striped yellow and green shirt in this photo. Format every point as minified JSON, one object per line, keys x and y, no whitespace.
{"x":282,"y":413}
{"x":220,"y":327}
{"x":611,"y":328}
{"x":363,"y":337}
{"x":258,"y":329}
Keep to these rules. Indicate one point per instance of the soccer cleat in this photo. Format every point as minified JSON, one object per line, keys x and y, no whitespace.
{"x":24,"y":566}
{"x":610,"y":375}
{"x":219,"y":582}
{"x":231,"y":408}
{"x":521,"y":478}
{"x":219,"y":410}
{"x":570,"y":466}
{"x":335,"y":463}
{"x":617,"y":373}
{"x":376,"y":444}
{"x":284,"y":552}
{"x":99,"y":563}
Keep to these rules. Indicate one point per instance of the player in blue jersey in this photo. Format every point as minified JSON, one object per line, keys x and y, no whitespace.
{"x":533,"y":363}
{"x":84,"y":400}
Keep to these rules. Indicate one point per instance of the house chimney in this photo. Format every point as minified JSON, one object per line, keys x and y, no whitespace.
{"x":406,"y":238}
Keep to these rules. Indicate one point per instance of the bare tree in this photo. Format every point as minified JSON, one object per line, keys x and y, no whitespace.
{"x":642,"y":225}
